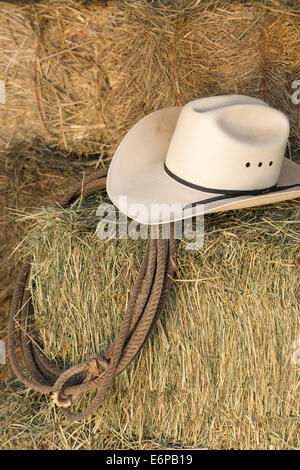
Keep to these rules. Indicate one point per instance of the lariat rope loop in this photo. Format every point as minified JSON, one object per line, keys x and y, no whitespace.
{"x":149,"y":293}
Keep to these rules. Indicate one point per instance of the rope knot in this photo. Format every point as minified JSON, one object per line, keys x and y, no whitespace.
{"x":97,"y":365}
{"x":62,"y":401}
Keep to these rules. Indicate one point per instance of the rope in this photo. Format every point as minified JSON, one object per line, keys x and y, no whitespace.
{"x":149,"y":293}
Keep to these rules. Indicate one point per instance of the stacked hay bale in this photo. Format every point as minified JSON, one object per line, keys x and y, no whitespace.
{"x":19,"y":120}
{"x":102,"y":66}
{"x":218,"y":368}
{"x":72,"y":81}
{"x":282,"y":65}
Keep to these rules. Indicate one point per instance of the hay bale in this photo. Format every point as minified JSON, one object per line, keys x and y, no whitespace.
{"x":103,"y":66}
{"x":51,"y":91}
{"x":72,"y":80}
{"x":98,"y":67}
{"x":152,"y":56}
{"x":282,"y":64}
{"x":19,"y":119}
{"x":218,"y":368}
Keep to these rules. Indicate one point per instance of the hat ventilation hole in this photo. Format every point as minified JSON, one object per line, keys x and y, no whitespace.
{"x":260,"y":164}
{"x":247,"y":164}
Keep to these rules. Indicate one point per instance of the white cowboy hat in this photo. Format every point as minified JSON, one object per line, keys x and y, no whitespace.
{"x":213,"y":154}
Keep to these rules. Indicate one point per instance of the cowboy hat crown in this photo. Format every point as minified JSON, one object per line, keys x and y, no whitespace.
{"x":228,"y":144}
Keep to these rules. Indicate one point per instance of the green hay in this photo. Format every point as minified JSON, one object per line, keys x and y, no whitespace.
{"x":216,"y":373}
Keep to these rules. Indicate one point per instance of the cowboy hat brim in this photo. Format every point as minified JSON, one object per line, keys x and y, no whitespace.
{"x":139,"y":186}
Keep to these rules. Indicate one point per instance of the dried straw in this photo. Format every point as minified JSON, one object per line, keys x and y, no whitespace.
{"x":102,"y":66}
{"x":19,"y":115}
